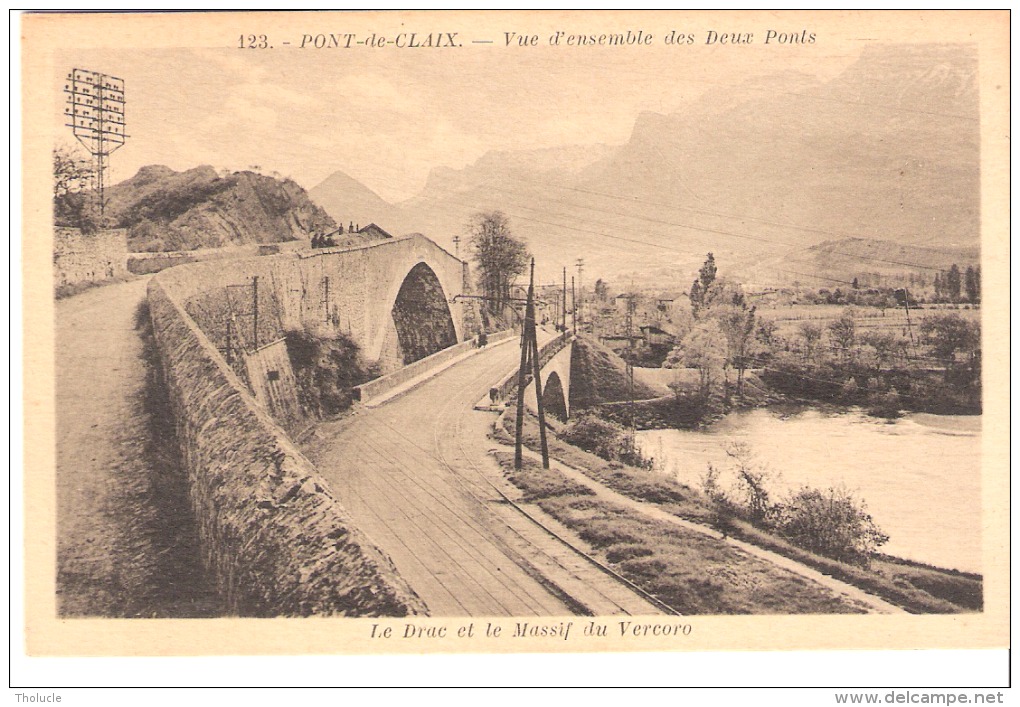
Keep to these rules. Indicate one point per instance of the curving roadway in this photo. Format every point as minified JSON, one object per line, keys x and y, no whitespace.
{"x":416,"y":476}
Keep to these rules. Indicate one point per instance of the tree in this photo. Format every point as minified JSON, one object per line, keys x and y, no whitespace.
{"x":501,"y":257}
{"x":768,"y":336}
{"x":72,"y":171}
{"x":703,"y":348}
{"x":972,"y":284}
{"x":952,"y":283}
{"x":843,"y":332}
{"x":886,"y":345}
{"x":949,"y":334}
{"x":699,"y":290}
{"x":753,"y":485}
{"x":811,"y":333}
{"x":737,"y":324}
{"x":724,"y":292}
{"x":74,"y":203}
{"x":601,"y":290}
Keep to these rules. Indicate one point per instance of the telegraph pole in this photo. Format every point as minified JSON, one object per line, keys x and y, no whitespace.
{"x":904,"y":295}
{"x":255,"y":310}
{"x":537,"y":373}
{"x":564,"y":298}
{"x":456,"y":246}
{"x":95,"y":114}
{"x":630,"y":348}
{"x":580,"y":287}
{"x":230,"y":345}
{"x":529,"y":356}
{"x":522,"y":373}
{"x":573,"y":305}
{"x":325,"y":298}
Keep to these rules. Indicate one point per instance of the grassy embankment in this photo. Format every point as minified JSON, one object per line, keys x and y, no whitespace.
{"x":689,"y":571}
{"x":669,"y":570}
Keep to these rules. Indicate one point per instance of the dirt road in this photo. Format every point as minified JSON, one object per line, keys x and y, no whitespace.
{"x":416,"y":476}
{"x":125,"y":546}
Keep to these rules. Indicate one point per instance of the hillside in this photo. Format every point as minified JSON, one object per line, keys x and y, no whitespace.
{"x":168,"y":210}
{"x":848,"y":258}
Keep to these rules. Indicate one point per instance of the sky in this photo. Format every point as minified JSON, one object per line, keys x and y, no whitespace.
{"x":388,"y":117}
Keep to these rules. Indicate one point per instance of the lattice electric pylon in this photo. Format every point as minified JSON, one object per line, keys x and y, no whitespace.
{"x":95,"y":114}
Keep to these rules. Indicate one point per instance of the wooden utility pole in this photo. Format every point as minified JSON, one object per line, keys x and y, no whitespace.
{"x":537,"y":367}
{"x":230,"y":345}
{"x":529,"y":358}
{"x":564,"y":298}
{"x":906,"y":308}
{"x":325,"y":298}
{"x":522,"y":374}
{"x":580,"y":286}
{"x":630,"y":357}
{"x":573,"y":305}
{"x":255,"y":310}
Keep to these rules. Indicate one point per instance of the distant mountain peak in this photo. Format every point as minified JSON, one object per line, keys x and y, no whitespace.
{"x":348,"y":200}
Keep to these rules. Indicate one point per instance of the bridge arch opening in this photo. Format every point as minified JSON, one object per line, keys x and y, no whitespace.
{"x":421,"y":315}
{"x":554,"y":400}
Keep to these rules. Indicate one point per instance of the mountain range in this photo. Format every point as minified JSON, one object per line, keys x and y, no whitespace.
{"x":886,"y":151}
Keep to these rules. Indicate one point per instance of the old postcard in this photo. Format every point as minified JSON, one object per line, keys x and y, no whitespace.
{"x":412,"y":332}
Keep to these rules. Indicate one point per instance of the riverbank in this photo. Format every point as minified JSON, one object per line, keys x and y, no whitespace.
{"x":686,"y":410}
{"x":920,"y":475}
{"x":911,"y":586}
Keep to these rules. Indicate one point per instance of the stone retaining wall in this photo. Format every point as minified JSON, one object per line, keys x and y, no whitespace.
{"x":94,"y":257}
{"x":277,"y":541}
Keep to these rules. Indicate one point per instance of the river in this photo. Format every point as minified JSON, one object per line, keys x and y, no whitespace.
{"x":920,"y":475}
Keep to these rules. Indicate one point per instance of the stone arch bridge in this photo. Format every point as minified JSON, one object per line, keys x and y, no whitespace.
{"x":394,"y":298}
{"x":554,"y":356}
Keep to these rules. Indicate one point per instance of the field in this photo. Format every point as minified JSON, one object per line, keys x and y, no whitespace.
{"x":789,"y":317}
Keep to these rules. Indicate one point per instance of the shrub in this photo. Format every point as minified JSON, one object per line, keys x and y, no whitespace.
{"x":327,"y":367}
{"x":850,"y":388}
{"x":885,"y":404}
{"x":605,"y":439}
{"x":833,"y":523}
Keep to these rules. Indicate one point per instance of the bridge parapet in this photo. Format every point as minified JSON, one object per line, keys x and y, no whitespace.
{"x":384,"y":385}
{"x":352,"y":290}
{"x":507,"y":387}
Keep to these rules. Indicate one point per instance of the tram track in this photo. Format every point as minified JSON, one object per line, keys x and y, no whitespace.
{"x":410,"y":472}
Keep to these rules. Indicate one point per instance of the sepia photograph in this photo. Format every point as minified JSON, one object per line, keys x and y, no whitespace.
{"x":505,"y":331}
